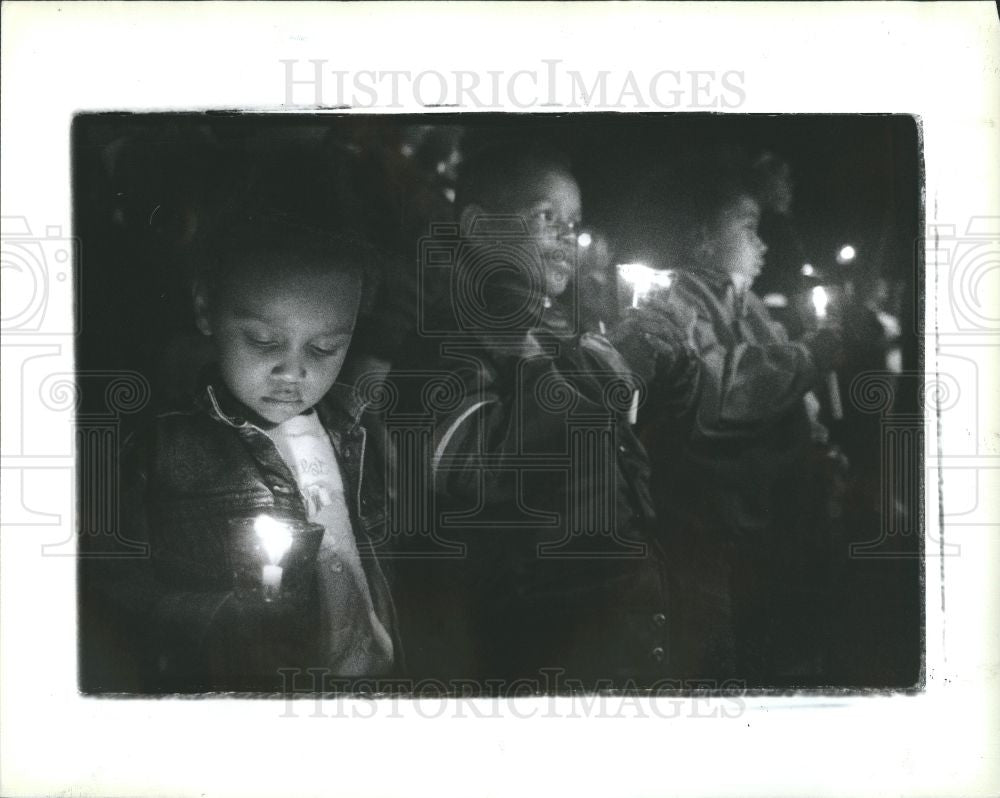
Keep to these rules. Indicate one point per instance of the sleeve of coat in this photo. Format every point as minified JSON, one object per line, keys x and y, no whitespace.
{"x":747,"y":386}
{"x":125,"y":581}
{"x":512,"y":410}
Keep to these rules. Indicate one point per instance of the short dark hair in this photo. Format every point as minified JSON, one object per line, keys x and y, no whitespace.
{"x":252,"y":234}
{"x":682,"y":201}
{"x":492,"y":172}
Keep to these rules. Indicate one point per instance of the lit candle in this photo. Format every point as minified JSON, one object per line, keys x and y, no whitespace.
{"x":642,"y":279}
{"x":821,"y":300}
{"x":275,"y":539}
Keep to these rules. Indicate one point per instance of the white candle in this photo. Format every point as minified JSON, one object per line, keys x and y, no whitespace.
{"x":275,"y":539}
{"x":633,"y":411}
{"x":270,"y":577}
{"x":833,"y":386}
{"x":821,"y":300}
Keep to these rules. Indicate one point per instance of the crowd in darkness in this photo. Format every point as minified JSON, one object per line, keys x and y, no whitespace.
{"x":745,"y":472}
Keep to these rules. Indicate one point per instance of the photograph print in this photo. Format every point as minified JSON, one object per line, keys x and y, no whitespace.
{"x":499,"y":404}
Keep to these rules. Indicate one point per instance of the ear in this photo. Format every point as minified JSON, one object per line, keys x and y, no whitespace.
{"x":468,"y":217}
{"x":199,"y":295}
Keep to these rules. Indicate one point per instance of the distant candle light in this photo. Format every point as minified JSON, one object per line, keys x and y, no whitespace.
{"x":808,"y":270}
{"x":820,"y":300}
{"x":847,"y":254}
{"x":584,"y":240}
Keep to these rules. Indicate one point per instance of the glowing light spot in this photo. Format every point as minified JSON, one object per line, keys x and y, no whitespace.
{"x":275,"y":537}
{"x":644,"y":279}
{"x":820,"y":300}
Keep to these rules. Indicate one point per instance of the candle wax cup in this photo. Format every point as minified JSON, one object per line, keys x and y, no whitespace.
{"x":271,"y":580}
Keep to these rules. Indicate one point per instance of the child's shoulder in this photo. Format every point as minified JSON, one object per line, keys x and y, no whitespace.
{"x":175,"y":430}
{"x":347,"y":406}
{"x":187,"y":452}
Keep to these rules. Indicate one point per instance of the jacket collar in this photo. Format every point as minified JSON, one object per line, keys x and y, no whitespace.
{"x":718,"y":280}
{"x":341,"y":408}
{"x":725,"y":289}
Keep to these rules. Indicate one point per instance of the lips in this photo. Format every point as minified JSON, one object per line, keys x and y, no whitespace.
{"x":284,"y":399}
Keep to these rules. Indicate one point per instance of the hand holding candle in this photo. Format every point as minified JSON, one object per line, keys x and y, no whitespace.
{"x":641,"y":281}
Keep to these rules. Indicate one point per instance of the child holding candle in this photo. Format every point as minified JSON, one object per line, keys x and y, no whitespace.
{"x":258,"y":503}
{"x":733,"y":472}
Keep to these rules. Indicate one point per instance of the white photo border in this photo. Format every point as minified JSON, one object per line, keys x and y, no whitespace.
{"x":938,"y":62}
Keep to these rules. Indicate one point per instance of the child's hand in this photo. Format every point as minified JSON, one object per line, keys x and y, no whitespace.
{"x":664,"y":318}
{"x":653,"y":336}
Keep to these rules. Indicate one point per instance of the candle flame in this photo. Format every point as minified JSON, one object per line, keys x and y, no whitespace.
{"x":820,"y":300}
{"x":275,"y":537}
{"x":643,"y":279}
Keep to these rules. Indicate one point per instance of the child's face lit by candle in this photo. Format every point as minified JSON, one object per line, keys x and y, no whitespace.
{"x":281,"y":334}
{"x":549,"y":203}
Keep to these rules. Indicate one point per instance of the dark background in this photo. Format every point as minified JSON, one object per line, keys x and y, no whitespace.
{"x":148,"y":188}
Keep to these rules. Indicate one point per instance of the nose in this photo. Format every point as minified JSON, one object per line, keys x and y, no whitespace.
{"x":290,"y":368}
{"x":761,"y":246}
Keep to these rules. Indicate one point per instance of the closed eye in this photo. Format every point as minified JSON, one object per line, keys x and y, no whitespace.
{"x":325,"y":351}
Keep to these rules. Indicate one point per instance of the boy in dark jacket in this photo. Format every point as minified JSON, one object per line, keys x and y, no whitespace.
{"x":535,"y":465}
{"x":255,"y":504}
